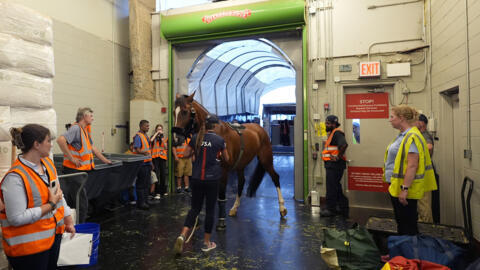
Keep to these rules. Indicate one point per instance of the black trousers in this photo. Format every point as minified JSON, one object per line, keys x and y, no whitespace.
{"x":436,"y":200}
{"x":406,"y":216}
{"x":83,"y":199}
{"x":160,"y":170}
{"x":143,"y":182}
{"x":203,"y":190}
{"x":334,"y":196}
{"x":45,"y":260}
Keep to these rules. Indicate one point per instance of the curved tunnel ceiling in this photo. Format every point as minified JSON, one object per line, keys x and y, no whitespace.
{"x":231,"y":77}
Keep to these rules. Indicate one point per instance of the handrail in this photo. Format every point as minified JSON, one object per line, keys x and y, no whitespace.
{"x":84,"y":177}
{"x":467,"y":212}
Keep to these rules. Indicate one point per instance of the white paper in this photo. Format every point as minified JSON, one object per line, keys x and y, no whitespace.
{"x":75,"y":251}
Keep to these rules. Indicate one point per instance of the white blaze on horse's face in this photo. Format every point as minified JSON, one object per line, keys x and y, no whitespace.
{"x":177,"y":112}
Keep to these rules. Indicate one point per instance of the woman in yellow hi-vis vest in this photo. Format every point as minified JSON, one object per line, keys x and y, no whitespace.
{"x":408,"y":169}
{"x":35,"y":214}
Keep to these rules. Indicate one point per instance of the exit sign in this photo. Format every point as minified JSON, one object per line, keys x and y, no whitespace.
{"x":369,"y":69}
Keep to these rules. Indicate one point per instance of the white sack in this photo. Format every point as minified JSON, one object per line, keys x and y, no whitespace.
{"x":5,"y":157}
{"x":25,"y":23}
{"x":44,"y":117}
{"x":24,"y":56}
{"x":5,"y":123}
{"x":76,"y":251}
{"x":19,"y":89}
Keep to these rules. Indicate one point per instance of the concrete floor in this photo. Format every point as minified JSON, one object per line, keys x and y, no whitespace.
{"x":256,"y":239}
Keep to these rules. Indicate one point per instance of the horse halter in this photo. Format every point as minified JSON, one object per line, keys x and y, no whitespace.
{"x":183,"y":133}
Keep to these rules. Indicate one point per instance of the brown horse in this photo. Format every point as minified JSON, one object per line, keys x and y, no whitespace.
{"x":189,"y":117}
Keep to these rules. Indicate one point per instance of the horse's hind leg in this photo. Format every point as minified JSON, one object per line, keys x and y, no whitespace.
{"x":222,"y":200}
{"x":241,"y":183}
{"x":266,"y":159}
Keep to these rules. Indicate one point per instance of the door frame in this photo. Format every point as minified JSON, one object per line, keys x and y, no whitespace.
{"x":342,"y":115}
{"x":301,"y":161}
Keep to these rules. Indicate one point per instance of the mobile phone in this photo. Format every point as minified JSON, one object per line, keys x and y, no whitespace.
{"x":54,"y":185}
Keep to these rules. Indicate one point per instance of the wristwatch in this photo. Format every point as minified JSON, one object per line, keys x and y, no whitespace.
{"x":52,"y":204}
{"x":402,"y":187}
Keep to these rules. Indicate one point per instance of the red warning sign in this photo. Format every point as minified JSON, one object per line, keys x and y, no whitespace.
{"x":368,"y":105}
{"x":366,"y":179}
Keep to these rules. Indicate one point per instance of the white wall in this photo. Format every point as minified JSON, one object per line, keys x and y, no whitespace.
{"x":91,"y":70}
{"x":450,"y":62}
{"x":346,"y":28}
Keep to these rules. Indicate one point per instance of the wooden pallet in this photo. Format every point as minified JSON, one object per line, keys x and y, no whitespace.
{"x":389,"y":226}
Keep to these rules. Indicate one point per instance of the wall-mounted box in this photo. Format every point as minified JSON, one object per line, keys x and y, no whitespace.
{"x":319,"y":70}
{"x":398,"y":70}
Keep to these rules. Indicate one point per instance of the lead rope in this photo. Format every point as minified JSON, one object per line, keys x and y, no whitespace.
{"x":193,"y":230}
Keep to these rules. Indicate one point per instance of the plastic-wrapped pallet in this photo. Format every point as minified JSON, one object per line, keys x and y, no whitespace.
{"x":5,"y":123}
{"x":19,"y":89}
{"x":44,"y":117}
{"x":25,"y":23}
{"x":20,"y":55}
{"x":5,"y":157}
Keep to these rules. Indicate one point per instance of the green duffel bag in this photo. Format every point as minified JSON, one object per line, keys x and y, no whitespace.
{"x":354,"y":249}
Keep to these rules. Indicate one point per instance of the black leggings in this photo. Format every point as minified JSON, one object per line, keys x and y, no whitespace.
{"x":201,"y":189}
{"x":45,"y":260}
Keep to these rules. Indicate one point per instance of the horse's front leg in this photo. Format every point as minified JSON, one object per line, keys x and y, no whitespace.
{"x":222,"y":200}
{"x":241,"y":184}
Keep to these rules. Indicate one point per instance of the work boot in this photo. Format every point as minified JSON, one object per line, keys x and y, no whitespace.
{"x":327,"y":213}
{"x":143,"y":206}
{"x":142,"y":199}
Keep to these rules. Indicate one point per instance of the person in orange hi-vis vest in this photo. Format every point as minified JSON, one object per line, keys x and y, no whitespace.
{"x":159,"y":159}
{"x":78,"y":153}
{"x":36,"y":214}
{"x":335,"y":164}
{"x":141,"y":146}
{"x":183,"y":166}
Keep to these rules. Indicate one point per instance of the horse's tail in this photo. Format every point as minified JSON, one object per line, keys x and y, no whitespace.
{"x":256,"y":180}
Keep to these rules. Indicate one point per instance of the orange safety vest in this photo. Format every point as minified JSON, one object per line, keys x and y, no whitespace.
{"x":85,"y":154}
{"x":38,"y":236}
{"x":145,"y":145}
{"x":331,"y":150}
{"x":180,"y":149}
{"x":159,"y":150}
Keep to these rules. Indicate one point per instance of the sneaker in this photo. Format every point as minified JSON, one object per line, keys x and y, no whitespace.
{"x":165,"y":194}
{"x":209,"y":247}
{"x":150,"y":197}
{"x":157,"y":197}
{"x":178,"y":247}
{"x":179,"y":190}
{"x":132,"y":202}
{"x":187,"y":189}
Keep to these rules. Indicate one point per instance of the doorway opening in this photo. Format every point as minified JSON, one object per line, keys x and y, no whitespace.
{"x":250,"y":80}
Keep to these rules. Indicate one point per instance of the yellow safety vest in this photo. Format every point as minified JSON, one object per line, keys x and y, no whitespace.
{"x":424,"y":177}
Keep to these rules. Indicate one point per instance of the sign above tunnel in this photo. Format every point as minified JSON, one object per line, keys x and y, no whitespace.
{"x":220,"y":20}
{"x":367,"y":105}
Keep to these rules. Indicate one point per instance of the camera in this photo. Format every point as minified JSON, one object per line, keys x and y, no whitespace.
{"x":160,"y":136}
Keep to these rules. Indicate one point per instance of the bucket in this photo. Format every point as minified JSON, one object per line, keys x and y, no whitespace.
{"x":94,"y":229}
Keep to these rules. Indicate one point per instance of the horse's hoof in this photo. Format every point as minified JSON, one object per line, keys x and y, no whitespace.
{"x":283,"y":212}
{"x":221,"y":227}
{"x":232,"y":213}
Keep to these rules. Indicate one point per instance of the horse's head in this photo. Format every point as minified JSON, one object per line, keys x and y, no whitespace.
{"x":184,"y":117}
